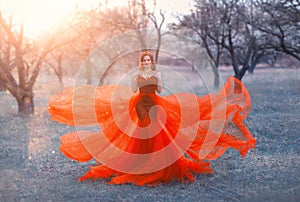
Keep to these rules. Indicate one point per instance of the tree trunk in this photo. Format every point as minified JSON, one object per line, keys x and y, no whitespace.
{"x":242,"y":72}
{"x":237,"y":88}
{"x":26,"y":105}
{"x":217,"y":77}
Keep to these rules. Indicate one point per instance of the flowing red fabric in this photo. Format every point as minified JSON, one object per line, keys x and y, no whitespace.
{"x":150,"y":139}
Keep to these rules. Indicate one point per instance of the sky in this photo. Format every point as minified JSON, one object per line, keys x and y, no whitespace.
{"x":41,"y":16}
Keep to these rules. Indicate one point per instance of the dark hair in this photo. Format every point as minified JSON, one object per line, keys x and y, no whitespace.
{"x":142,"y":55}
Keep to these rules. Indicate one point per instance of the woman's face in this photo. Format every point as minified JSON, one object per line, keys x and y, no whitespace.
{"x":147,"y":61}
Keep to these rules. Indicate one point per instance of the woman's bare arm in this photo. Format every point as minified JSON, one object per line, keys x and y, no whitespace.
{"x":159,"y":82}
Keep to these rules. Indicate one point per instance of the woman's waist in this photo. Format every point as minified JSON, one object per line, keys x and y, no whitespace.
{"x":147,"y":96}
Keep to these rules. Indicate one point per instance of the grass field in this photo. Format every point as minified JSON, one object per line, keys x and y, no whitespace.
{"x":33,"y":169}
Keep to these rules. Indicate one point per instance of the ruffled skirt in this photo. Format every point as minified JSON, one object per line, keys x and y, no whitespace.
{"x":151,"y":139}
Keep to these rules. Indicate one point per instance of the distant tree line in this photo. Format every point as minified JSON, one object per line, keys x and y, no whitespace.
{"x":242,"y":33}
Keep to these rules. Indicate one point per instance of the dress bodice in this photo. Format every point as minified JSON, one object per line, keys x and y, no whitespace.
{"x":147,"y":85}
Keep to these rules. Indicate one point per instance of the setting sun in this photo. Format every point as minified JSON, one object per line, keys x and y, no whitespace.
{"x":43,"y":16}
{"x":40,"y":16}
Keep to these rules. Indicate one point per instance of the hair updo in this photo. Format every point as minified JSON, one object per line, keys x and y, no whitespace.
{"x":142,"y":55}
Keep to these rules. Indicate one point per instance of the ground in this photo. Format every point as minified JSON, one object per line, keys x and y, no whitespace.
{"x":33,"y":169}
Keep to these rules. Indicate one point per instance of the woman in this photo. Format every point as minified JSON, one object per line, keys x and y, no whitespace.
{"x":151,"y":139}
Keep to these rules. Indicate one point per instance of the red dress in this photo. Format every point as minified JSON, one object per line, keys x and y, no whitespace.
{"x":151,"y":139}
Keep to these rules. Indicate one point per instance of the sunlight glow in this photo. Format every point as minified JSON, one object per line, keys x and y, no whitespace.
{"x":40,"y":16}
{"x":43,"y":16}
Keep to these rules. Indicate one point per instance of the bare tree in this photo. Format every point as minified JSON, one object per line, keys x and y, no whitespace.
{"x":100,"y":25}
{"x":225,"y":29}
{"x":21,"y":62}
{"x":140,"y":15}
{"x":279,"y":23}
{"x":57,"y":65}
{"x":206,"y":26}
{"x":158,"y":27}
{"x":89,"y":28}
